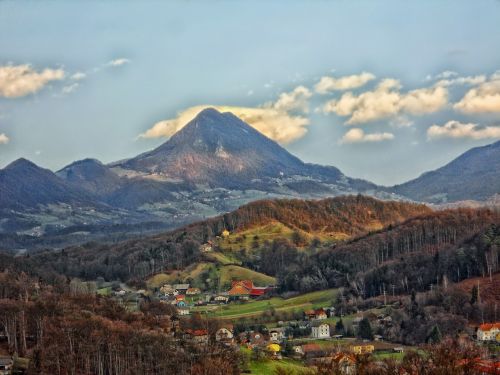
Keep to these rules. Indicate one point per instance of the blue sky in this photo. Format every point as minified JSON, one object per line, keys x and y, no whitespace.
{"x":86,"y":79}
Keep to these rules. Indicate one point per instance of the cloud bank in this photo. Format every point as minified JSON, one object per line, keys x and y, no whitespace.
{"x":386,"y":101}
{"x":456,"y":129}
{"x":484,"y":98}
{"x":21,"y":80}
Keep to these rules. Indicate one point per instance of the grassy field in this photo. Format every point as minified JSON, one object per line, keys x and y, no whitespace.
{"x":268,"y":366}
{"x":228,"y":273}
{"x":256,"y":236}
{"x":191,"y":272}
{"x":256,"y":308}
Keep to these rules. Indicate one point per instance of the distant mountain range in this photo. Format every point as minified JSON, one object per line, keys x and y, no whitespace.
{"x":215,"y":164}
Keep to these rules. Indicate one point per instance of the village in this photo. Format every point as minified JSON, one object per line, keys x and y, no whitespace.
{"x":311,"y":335}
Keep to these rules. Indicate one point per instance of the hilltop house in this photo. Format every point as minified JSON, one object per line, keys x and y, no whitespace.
{"x":206,"y":247}
{"x":320,"y":330}
{"x":489,"y":332}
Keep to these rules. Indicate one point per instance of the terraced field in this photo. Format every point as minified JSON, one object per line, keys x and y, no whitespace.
{"x":255,"y":308}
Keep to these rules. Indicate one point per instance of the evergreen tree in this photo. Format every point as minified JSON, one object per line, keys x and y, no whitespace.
{"x":365,"y":329}
{"x":474,"y":295}
{"x":339,"y":327}
{"x":435,"y":336}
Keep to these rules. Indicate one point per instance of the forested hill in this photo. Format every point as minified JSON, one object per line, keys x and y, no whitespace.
{"x":140,"y":258}
{"x":446,"y":246}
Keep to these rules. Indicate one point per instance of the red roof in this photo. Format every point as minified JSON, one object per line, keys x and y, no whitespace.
{"x":256,"y":291}
{"x":489,"y":326}
{"x":307,"y":348}
{"x":245,"y":283}
{"x":197,"y":332}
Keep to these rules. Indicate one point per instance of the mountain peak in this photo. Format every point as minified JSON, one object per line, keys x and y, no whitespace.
{"x":21,"y":163}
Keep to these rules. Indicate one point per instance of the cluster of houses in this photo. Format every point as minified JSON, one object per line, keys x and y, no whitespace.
{"x":178,"y":294}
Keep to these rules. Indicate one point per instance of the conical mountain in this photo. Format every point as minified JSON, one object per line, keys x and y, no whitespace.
{"x":219,"y":149}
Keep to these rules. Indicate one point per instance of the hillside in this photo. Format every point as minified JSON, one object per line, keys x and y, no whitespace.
{"x":474,"y":175}
{"x":489,"y":291}
{"x":452,"y":245}
{"x":140,"y":258}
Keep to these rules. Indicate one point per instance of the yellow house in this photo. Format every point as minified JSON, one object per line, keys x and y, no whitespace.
{"x":225,"y":233}
{"x":362,"y":349}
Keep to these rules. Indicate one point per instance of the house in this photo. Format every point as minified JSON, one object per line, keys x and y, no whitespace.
{"x":180,"y":303}
{"x":181,"y":288}
{"x":206,"y":247}
{"x":167,"y":289}
{"x":256,"y":339}
{"x":489,"y":332}
{"x":274,"y":351}
{"x":221,"y":299}
{"x":277,"y":334}
{"x":193,"y":291}
{"x":317,"y":314}
{"x":241,"y":287}
{"x":6,"y":365}
{"x":246,"y":288}
{"x":225,"y":334}
{"x":362,"y":349}
{"x":320,"y":314}
{"x":311,"y":350}
{"x":197,"y":336}
{"x":346,"y":363}
{"x":182,"y":311}
{"x":320,"y":330}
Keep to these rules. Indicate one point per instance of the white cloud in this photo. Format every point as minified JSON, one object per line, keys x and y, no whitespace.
{"x":295,"y":100}
{"x":386,"y":101}
{"x":456,"y":129}
{"x":118,"y":62}
{"x":70,"y":88}
{"x":482,"y":99}
{"x":4,"y":139}
{"x":277,"y":120}
{"x":446,"y":74}
{"x":21,"y":80}
{"x":357,"y":135}
{"x":78,"y":76}
{"x":327,"y":84}
{"x":470,"y":80}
